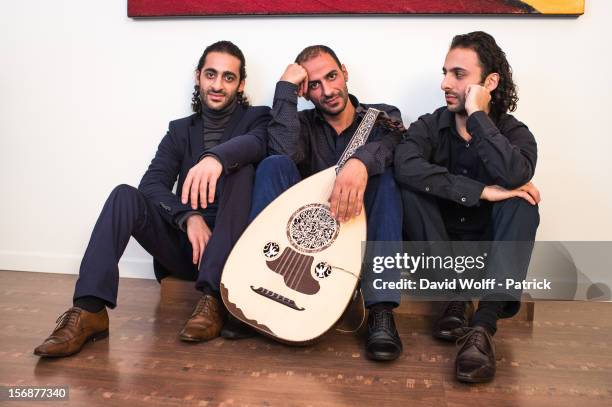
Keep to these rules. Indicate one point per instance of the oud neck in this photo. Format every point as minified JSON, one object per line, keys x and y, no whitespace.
{"x":360,"y":137}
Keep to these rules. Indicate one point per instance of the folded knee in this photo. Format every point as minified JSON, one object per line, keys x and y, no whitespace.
{"x":124,"y":192}
{"x":275,"y":165}
{"x":519,"y":206}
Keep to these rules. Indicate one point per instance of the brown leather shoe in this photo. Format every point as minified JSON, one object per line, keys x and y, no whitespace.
{"x":475,"y":362}
{"x":205,"y":322}
{"x":74,"y":327}
{"x":453,"y":321}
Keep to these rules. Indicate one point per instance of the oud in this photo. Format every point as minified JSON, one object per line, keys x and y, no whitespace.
{"x":293,"y":271}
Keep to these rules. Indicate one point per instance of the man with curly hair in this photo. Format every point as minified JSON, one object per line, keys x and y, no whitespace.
{"x":464,"y":173}
{"x":190,"y":232}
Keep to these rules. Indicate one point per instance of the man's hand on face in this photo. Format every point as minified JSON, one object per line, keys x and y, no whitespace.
{"x":198,"y":234}
{"x":494,"y":193}
{"x":297,"y":75}
{"x":346,"y":199}
{"x":477,"y":98}
{"x":201,"y":178}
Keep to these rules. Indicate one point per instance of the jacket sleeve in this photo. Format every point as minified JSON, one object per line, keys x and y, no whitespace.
{"x":247,"y":148}
{"x":378,"y":155}
{"x":158,"y":181}
{"x":285,"y":128}
{"x":510,"y":158}
{"x":414,"y":170}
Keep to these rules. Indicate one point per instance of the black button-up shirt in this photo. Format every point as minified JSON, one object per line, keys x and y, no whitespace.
{"x":314,"y":145}
{"x":433,"y":158}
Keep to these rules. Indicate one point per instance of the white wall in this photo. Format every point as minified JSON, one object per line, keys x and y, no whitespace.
{"x":86,"y":94}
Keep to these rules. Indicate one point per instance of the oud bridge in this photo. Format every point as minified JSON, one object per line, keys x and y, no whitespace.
{"x":271,"y":295}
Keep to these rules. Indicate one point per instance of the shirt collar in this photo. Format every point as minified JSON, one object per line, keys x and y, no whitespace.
{"x":447,"y":119}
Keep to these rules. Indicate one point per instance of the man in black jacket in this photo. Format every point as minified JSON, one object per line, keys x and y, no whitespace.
{"x":464,"y":173}
{"x":213,"y":152}
{"x":303,"y":143}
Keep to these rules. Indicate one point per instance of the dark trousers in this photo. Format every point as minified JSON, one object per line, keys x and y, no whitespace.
{"x":127,"y":212}
{"x":512,"y":220}
{"x":382,"y":202}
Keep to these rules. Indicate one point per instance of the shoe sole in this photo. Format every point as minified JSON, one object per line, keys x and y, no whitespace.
{"x":386,"y":356}
{"x":93,"y":338}
{"x":194,"y":339}
{"x":445,"y":336}
{"x":467,"y":379}
{"x":190,"y":339}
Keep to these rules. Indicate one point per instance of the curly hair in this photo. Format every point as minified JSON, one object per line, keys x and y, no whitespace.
{"x":226,"y":47}
{"x":492,"y":60}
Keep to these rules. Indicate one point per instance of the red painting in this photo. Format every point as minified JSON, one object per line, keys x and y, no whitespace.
{"x":160,"y":8}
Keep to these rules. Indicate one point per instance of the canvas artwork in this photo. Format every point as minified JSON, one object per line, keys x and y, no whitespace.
{"x":162,"y":8}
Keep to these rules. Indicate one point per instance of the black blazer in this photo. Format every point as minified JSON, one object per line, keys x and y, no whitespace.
{"x":244,"y":142}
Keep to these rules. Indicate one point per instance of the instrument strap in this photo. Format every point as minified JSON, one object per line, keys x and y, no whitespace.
{"x":360,"y":137}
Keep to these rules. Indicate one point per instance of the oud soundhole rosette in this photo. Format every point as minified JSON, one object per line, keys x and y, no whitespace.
{"x":322,"y":270}
{"x":312,"y":228}
{"x":271,"y":250}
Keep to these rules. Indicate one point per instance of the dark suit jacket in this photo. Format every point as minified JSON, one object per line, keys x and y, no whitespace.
{"x":244,"y":142}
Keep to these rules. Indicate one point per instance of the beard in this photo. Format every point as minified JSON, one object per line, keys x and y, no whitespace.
{"x":342,"y":95}
{"x":459,"y":106}
{"x":228,"y":99}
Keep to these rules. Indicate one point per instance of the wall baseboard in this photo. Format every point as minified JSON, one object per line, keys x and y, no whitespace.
{"x":68,"y":264}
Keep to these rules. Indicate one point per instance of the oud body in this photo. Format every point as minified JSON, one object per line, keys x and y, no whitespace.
{"x":293,"y":271}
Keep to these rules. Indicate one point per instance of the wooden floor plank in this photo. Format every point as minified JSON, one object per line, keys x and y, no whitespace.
{"x":562,"y":358}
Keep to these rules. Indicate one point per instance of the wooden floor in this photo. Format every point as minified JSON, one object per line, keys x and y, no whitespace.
{"x":562,"y":358}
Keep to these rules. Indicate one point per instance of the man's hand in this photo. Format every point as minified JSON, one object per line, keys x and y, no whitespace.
{"x":532,"y":190}
{"x":298,"y":76}
{"x":198,"y":234}
{"x":200,"y":178}
{"x":494,"y":193}
{"x":477,"y":98}
{"x":346,"y":199}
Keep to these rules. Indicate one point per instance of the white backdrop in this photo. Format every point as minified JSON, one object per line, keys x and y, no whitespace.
{"x":86,"y":94}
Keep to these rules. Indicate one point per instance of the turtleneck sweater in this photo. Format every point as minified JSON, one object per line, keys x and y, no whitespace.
{"x":215,"y":122}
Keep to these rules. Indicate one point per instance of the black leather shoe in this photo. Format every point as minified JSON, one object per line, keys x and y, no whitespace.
{"x":475,"y":362}
{"x":236,"y":329}
{"x":383,"y":342}
{"x":454,"y":319}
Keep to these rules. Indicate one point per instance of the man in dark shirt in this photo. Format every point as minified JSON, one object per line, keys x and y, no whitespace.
{"x":213,"y":152}
{"x":464,"y":173}
{"x":303,"y":143}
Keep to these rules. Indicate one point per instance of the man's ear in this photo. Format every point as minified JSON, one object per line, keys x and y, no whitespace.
{"x":241,"y":86}
{"x":344,"y":72}
{"x":197,"y":77}
{"x":491,"y":81}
